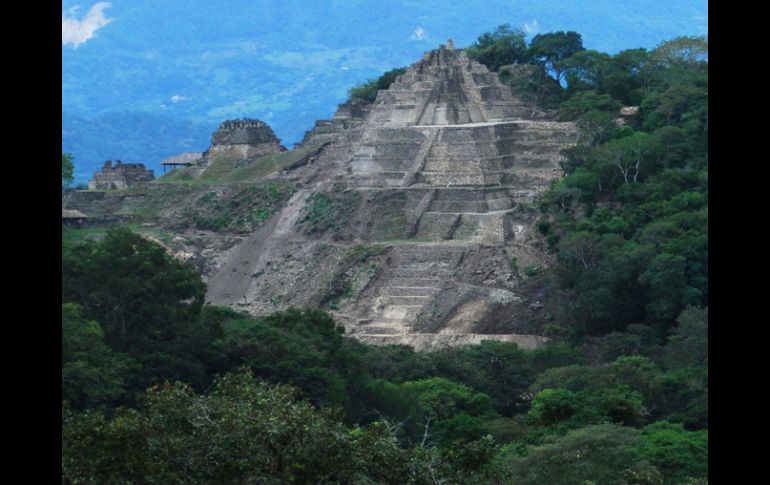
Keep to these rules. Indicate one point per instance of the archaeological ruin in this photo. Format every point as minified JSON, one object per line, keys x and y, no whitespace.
{"x":243,"y":138}
{"x":411,"y":219}
{"x":442,"y":171}
{"x":119,"y":176}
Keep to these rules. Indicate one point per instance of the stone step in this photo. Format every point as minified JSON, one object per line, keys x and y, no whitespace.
{"x":377,"y":329}
{"x":405,"y":300}
{"x":435,"y":274}
{"x":387,"y":290}
{"x":398,"y":281}
{"x":377,"y":179}
{"x":461,"y":193}
{"x":392,"y":313}
{"x":434,"y":226}
{"x":458,"y":206}
{"x":466,"y":206}
{"x":437,"y":261}
{"x":415,"y":253}
{"x":405,"y":314}
{"x":435,"y":341}
{"x":444,"y":178}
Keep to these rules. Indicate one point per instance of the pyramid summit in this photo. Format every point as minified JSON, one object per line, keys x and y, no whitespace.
{"x":447,"y":88}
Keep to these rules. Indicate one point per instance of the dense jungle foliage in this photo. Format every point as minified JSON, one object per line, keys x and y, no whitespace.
{"x":159,"y":388}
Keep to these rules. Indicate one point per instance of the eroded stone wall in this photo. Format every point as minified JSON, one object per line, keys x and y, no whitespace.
{"x":120,"y":176}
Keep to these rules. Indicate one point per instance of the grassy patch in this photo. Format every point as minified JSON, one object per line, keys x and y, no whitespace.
{"x":467,"y":228}
{"x":390,"y":219}
{"x":230,"y":169}
{"x":361,"y":252}
{"x":351,"y":272}
{"x":329,"y":212}
{"x":241,"y":212}
{"x":266,"y":165}
{"x":532,"y":270}
{"x":178,"y":175}
{"x":77,"y":235}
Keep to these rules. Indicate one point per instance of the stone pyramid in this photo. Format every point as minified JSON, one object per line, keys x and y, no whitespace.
{"x":440,"y":174}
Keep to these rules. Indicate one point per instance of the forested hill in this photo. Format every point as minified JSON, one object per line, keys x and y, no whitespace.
{"x":159,"y":388}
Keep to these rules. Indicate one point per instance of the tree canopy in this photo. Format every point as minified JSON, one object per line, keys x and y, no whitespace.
{"x":502,"y":46}
{"x":553,"y":49}
{"x":67,"y":169}
{"x":368,"y":90}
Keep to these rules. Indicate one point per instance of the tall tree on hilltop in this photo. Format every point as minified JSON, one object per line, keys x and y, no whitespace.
{"x":682,"y":51}
{"x":552,"y":49}
{"x":503,"y":46}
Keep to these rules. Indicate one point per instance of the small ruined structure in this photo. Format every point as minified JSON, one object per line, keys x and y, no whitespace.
{"x":349,"y":116}
{"x":120,"y":176}
{"x":72,"y":218}
{"x":235,"y":144}
{"x":182,"y":160}
{"x":243,"y":138}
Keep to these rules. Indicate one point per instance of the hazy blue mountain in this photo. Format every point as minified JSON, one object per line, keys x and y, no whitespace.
{"x":160,"y":76}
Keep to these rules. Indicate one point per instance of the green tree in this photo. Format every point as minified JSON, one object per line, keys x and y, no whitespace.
{"x":604,"y":454}
{"x":628,"y":154}
{"x":631,"y":80}
{"x":67,"y":169}
{"x":552,"y":49}
{"x":500,"y":370}
{"x":688,"y":344}
{"x":677,"y":453}
{"x":553,"y":406}
{"x":435,"y":410}
{"x":682,"y":51}
{"x":500,"y":47}
{"x":587,"y":101}
{"x":299,"y":347}
{"x":92,"y":374}
{"x":582,"y":249}
{"x":368,"y":90}
{"x":139,"y":294}
{"x":245,"y":431}
{"x":587,"y":70}
{"x":666,"y":283}
{"x":147,"y":303}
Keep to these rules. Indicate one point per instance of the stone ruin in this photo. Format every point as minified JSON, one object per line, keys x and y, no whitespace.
{"x":243,"y":138}
{"x":349,"y":116}
{"x":443,"y":170}
{"x":435,"y":183}
{"x":120,"y":176}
